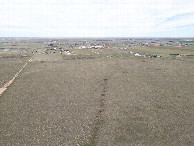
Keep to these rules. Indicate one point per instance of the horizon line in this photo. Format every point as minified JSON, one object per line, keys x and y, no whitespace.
{"x":97,"y":37}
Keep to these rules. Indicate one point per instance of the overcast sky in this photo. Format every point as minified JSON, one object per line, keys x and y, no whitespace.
{"x":96,"y":18}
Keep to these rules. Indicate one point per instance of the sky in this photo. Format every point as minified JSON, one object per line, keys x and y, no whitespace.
{"x":96,"y":18}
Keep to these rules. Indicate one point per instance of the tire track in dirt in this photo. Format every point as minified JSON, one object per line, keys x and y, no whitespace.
{"x":99,"y":121}
{"x":4,"y":88}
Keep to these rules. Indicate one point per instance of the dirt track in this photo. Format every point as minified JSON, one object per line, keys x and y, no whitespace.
{"x":6,"y":85}
{"x":107,"y":101}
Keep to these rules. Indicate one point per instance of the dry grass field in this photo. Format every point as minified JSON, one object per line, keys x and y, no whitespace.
{"x":93,"y":99}
{"x":10,"y":64}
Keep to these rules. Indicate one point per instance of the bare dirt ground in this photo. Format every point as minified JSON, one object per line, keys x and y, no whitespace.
{"x":102,"y":101}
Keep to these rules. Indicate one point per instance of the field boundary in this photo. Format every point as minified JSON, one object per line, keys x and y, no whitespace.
{"x":6,"y":85}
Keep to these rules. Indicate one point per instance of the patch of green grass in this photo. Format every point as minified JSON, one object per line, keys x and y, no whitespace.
{"x":186,"y":42}
{"x":166,"y":51}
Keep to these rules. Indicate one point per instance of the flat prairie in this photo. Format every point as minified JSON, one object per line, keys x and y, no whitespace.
{"x":108,"y":97}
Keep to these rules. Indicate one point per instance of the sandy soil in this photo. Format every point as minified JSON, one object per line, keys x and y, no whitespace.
{"x":103,"y":101}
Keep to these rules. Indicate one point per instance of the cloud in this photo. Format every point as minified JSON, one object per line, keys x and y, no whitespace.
{"x":95,"y":18}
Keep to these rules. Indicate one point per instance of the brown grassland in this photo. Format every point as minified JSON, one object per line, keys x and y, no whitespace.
{"x":97,"y":96}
